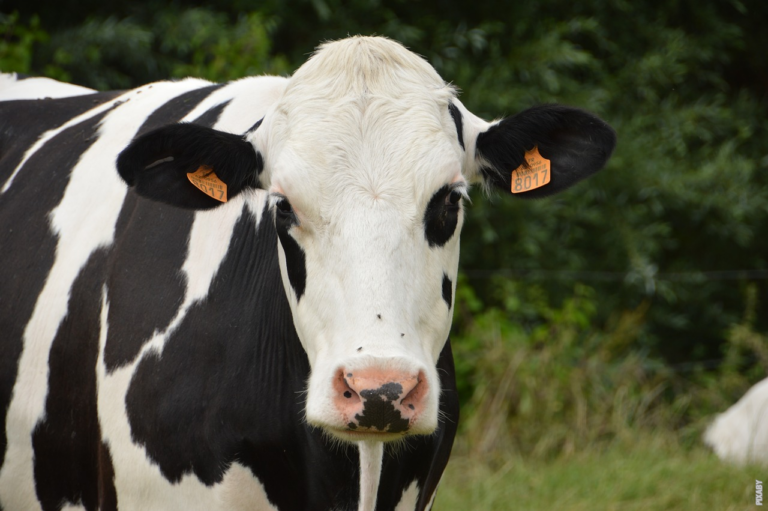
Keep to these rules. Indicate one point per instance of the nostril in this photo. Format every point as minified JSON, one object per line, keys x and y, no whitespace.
{"x":414,"y":398}
{"x":344,"y":390}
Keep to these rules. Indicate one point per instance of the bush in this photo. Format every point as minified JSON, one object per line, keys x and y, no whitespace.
{"x":542,"y":381}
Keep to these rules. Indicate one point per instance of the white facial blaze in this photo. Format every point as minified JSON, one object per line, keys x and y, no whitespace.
{"x":359,"y":154}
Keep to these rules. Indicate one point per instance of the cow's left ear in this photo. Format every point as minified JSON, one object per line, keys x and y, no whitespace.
{"x":576,"y":144}
{"x":190,"y":166}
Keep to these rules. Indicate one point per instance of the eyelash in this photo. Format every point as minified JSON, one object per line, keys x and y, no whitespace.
{"x":283,"y":208}
{"x":455,"y":195}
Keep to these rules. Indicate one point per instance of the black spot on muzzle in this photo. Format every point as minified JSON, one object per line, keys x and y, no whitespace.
{"x":379,"y":411}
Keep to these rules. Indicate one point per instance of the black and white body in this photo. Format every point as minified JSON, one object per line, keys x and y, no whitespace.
{"x":283,"y":350}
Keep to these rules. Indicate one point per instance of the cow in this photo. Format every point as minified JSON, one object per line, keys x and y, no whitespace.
{"x":238,"y":296}
{"x":740,"y":434}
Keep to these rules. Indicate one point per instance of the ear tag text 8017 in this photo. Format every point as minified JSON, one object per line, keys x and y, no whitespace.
{"x":209,"y":183}
{"x":535,"y":176}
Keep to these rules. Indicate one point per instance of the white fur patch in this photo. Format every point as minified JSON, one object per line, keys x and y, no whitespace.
{"x":37,"y":88}
{"x":241,"y":491}
{"x":740,"y":435}
{"x":371,"y":457}
{"x":409,"y":499}
{"x":249,"y":98}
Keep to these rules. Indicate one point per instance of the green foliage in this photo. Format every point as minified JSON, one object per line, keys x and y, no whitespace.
{"x":17,"y":42}
{"x":539,"y":381}
{"x":120,"y":53}
{"x":210,"y":47}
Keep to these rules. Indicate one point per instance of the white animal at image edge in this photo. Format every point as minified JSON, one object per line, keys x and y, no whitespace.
{"x":740,"y":435}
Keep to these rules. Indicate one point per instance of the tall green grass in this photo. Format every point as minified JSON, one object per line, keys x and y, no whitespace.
{"x":542,"y":381}
{"x":561,"y":413}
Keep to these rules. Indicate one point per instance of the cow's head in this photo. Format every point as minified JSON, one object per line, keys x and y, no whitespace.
{"x":367,"y":158}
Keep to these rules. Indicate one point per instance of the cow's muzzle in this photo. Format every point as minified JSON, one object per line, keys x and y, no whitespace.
{"x":379,"y":401}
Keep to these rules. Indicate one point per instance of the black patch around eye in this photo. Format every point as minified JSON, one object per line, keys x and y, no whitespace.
{"x":440,"y":219}
{"x":295,"y":260}
{"x":447,"y":290}
{"x":454,"y":110}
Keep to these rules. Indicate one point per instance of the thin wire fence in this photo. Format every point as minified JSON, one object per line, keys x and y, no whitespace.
{"x":617,"y":276}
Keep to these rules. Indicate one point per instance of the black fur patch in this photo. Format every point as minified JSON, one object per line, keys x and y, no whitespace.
{"x":187,"y":406}
{"x":229,"y":387}
{"x":577,"y":143}
{"x":255,"y":126}
{"x":259,"y":158}
{"x":447,"y":290}
{"x":295,"y":259}
{"x":178,"y":107}
{"x":67,"y":461}
{"x":440,"y":219}
{"x":427,"y":455}
{"x":211,"y":116}
{"x":378,"y":410}
{"x":107,"y":490}
{"x":23,"y":122}
{"x":190,"y":146}
{"x":456,"y":115}
{"x":27,"y":246}
{"x":145,"y":283}
{"x":259,"y":163}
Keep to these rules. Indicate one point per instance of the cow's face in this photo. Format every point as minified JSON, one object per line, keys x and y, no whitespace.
{"x":365,"y":178}
{"x":367,"y":158}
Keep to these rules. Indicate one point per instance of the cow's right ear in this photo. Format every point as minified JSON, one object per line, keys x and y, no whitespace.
{"x":190,"y":166}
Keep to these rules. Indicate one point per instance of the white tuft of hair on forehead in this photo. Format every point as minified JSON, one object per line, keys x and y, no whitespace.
{"x":364,"y":119}
{"x":365,"y":65}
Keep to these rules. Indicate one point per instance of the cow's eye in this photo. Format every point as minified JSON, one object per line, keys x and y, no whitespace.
{"x":453,"y":198}
{"x":283,"y":206}
{"x":284,"y":211}
{"x":441,"y":215}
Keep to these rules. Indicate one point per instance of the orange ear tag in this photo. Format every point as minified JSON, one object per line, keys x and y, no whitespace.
{"x":535,"y":176}
{"x":209,"y":183}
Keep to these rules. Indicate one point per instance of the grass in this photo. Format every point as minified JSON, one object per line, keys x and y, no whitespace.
{"x":559,"y":413}
{"x":648,"y":473}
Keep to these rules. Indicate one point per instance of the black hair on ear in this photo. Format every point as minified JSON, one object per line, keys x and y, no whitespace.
{"x":576,"y":142}
{"x":157,"y":164}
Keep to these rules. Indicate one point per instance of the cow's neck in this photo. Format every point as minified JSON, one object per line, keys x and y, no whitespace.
{"x":371,"y":455}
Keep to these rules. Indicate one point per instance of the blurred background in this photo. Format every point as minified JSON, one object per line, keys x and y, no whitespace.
{"x":596,"y":333}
